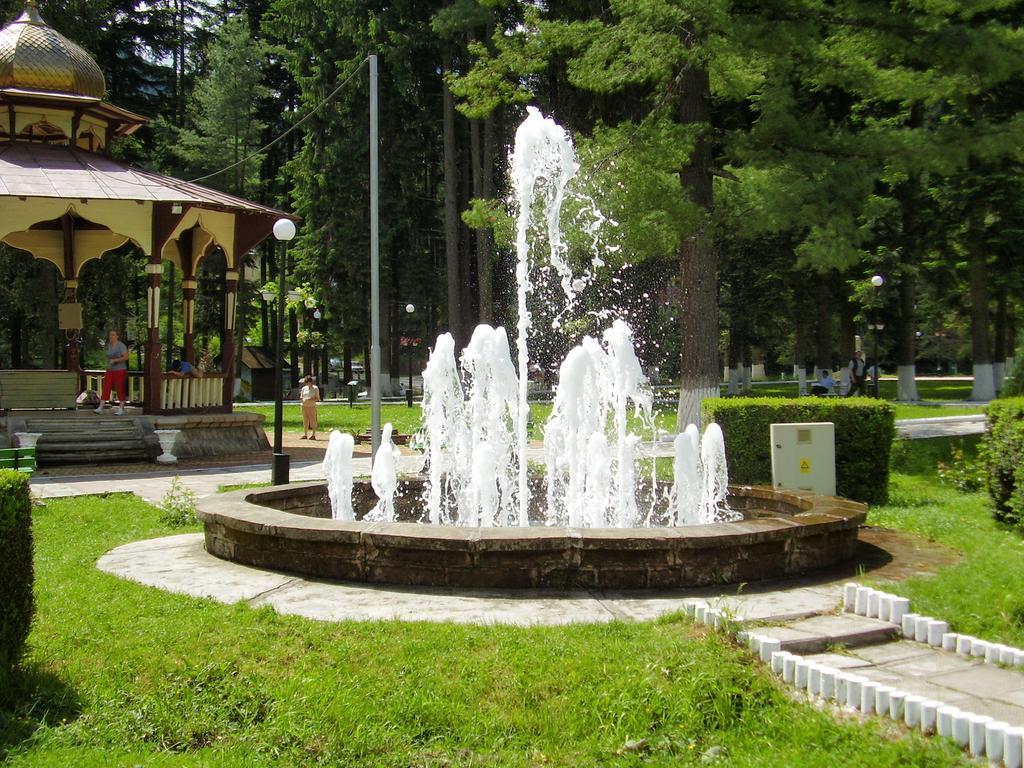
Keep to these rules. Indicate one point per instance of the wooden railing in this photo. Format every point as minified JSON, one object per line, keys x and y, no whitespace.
{"x":136,"y":385}
{"x":185,"y":393}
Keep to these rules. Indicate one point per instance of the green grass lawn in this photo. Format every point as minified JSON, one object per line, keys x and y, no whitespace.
{"x":407,"y":420}
{"x":121,"y":675}
{"x":984,"y":594}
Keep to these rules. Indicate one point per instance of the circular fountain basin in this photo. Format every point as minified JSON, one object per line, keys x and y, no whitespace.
{"x":783,"y":533}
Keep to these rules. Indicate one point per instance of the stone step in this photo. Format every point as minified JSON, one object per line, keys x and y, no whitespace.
{"x":819,"y":633}
{"x":88,"y":441}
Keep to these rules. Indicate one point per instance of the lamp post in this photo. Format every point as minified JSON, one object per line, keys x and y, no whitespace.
{"x":409,"y":309}
{"x":284,"y":230}
{"x":877,"y":281}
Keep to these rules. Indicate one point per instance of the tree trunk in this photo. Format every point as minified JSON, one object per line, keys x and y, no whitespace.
{"x":485,"y":236}
{"x":451,"y":218}
{"x":293,"y":332}
{"x":465,"y":250}
{"x":346,"y":357}
{"x":906,"y":389}
{"x":847,"y":338}
{"x":799,"y":335}
{"x":264,"y":312}
{"x":1011,"y":340}
{"x":700,"y":367}
{"x":822,"y":325}
{"x":999,"y":339}
{"x":981,"y":345}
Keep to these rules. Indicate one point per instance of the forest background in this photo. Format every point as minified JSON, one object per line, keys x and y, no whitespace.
{"x":759,"y":162}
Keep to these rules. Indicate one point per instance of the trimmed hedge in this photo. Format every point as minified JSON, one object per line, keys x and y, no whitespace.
{"x":16,"y":577}
{"x":864,"y":433}
{"x":1003,"y":454}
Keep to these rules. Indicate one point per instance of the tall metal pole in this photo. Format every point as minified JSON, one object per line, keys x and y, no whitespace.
{"x":279,"y":468}
{"x":374,"y":267}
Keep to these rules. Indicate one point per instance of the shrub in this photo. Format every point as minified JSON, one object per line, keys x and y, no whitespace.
{"x":1004,"y":458}
{"x":864,"y":434}
{"x":16,"y":579}
{"x":178,"y":506}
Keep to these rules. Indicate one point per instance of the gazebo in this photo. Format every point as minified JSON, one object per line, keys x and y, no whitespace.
{"x":65,"y":200}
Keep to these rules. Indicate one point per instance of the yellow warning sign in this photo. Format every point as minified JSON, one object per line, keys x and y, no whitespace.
{"x":805,"y":466}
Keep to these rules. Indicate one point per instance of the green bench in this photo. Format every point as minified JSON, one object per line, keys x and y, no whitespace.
{"x":20,"y":459}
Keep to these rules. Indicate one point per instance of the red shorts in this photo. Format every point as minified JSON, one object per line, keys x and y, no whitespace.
{"x":117,"y":380}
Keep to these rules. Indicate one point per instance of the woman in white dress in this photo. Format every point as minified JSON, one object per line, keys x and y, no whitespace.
{"x":309,"y":397}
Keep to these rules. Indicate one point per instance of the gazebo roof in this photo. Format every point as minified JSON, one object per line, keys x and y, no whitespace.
{"x":38,"y":170}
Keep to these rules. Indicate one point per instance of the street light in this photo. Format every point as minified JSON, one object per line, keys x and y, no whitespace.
{"x":409,"y":309}
{"x":284,"y":230}
{"x":877,"y":281}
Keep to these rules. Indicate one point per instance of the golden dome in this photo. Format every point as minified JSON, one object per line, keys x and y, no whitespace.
{"x":35,"y":57}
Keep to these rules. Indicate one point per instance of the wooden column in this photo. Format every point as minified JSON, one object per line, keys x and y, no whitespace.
{"x":227,"y":357}
{"x":188,"y":314}
{"x":72,"y":348}
{"x":153,"y":370}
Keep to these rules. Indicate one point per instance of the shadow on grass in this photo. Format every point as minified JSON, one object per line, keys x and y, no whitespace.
{"x":34,"y":699}
{"x":921,"y":457}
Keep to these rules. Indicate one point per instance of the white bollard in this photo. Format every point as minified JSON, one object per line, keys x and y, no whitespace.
{"x":814,"y":679}
{"x":929,"y":713}
{"x":849,"y":596}
{"x":977,"y":739}
{"x":854,"y":691}
{"x":912,"y":710}
{"x":885,"y":606}
{"x":1013,"y":748}
{"x":700,"y":612}
{"x":1018,"y":658}
{"x":868,"y":692}
{"x":949,"y":641}
{"x":874,"y":598}
{"x":842,"y":680}
{"x":962,"y":728}
{"x":995,"y":739}
{"x":900,"y":608}
{"x":907,"y":623}
{"x":860,"y":605}
{"x":882,"y":693}
{"x":1006,"y":654}
{"x":921,"y":624}
{"x":936,"y":629}
{"x":944,"y":727}
{"x":789,"y":669}
{"x":897,"y":699}
{"x":769,"y":645}
{"x":963,"y":645}
{"x":690,"y":609}
{"x":778,"y":659}
{"x":978,"y":647}
{"x":992,"y":653}
{"x":828,"y":682}
{"x":800,"y":678}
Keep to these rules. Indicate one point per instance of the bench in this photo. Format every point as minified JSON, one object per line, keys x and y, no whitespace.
{"x":37,"y":389}
{"x":19,"y":459}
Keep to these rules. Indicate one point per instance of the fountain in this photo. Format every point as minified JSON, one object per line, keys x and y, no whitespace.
{"x":478,"y":516}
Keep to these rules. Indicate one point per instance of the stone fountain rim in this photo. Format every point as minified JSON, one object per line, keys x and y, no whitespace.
{"x":807,"y":532}
{"x":242,"y":510}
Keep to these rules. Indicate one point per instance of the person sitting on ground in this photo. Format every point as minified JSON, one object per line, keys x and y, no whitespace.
{"x":825,"y":385}
{"x":182,"y":368}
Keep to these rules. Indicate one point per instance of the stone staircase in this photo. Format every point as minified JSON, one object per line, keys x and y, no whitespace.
{"x":88,"y":439}
{"x":906,"y":667}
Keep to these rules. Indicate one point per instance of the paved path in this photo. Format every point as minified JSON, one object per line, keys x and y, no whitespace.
{"x":181,"y":564}
{"x":941,"y":426}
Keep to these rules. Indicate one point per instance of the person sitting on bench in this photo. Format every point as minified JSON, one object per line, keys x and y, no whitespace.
{"x":825,"y":385}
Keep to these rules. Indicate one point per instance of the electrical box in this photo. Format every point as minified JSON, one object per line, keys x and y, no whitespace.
{"x":804,"y":457}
